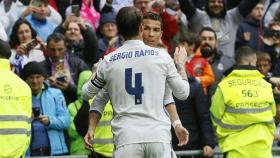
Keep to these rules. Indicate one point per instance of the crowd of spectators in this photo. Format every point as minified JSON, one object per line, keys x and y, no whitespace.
{"x":52,"y":46}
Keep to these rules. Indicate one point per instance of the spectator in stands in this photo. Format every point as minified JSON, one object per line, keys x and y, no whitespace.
{"x":118,"y":4}
{"x":141,"y":4}
{"x":232,"y":3}
{"x":49,"y":114}
{"x":80,"y":38}
{"x":201,"y":4}
{"x":87,"y":12}
{"x":61,"y":6}
{"x":3,"y":34}
{"x":109,"y":38}
{"x":218,"y":61}
{"x":25,"y":46}
{"x":264,"y":63}
{"x":195,"y":116}
{"x":225,"y":23}
{"x":271,"y":39}
{"x":10,"y":12}
{"x":173,"y":9}
{"x":250,"y":30}
{"x":196,"y":65}
{"x":37,"y":16}
{"x":242,"y":111}
{"x":103,"y":139}
{"x":63,"y":68}
{"x":271,"y":8}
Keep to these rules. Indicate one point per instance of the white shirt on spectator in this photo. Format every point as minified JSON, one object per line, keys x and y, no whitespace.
{"x":3,"y":34}
{"x":9,"y":18}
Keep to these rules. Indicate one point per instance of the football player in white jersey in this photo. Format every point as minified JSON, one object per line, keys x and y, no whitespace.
{"x":134,"y":76}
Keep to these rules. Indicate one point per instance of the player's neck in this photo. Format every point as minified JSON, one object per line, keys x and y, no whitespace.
{"x":134,"y":38}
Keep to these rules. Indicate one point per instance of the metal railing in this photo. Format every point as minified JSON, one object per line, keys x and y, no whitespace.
{"x":217,"y":154}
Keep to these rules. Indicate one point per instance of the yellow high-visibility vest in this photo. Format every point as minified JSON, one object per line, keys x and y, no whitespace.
{"x":103,"y":136}
{"x":242,"y":110}
{"x":15,"y":113}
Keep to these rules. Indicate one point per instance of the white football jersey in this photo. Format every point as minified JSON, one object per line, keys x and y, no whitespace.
{"x":135,"y":76}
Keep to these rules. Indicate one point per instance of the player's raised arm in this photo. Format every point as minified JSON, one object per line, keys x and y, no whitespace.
{"x":178,"y":82}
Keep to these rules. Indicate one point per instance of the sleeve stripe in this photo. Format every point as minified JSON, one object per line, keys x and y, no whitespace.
{"x":100,"y":80}
{"x":96,"y":84}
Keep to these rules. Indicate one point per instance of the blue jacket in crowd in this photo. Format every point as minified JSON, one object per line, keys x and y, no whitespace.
{"x":54,"y":106}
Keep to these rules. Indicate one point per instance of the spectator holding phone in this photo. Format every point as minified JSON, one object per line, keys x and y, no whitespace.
{"x":50,"y":115}
{"x":80,"y":37}
{"x":25,"y":46}
{"x":37,"y":14}
{"x":86,"y":10}
{"x":63,"y":68}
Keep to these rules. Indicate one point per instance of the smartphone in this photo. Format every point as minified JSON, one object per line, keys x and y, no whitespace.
{"x":36,"y":3}
{"x":30,"y":45}
{"x":61,"y":79}
{"x":36,"y":111}
{"x":76,"y":10}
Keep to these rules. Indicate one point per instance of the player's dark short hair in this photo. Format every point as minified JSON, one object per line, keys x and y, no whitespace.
{"x":129,"y":20}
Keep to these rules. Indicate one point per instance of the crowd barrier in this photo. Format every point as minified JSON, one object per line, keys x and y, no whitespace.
{"x":217,"y":154}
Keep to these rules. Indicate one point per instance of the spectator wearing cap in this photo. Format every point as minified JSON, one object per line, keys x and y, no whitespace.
{"x":49,"y":114}
{"x":108,"y":35}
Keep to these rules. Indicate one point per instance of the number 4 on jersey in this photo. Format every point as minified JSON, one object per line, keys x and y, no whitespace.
{"x":138,"y":89}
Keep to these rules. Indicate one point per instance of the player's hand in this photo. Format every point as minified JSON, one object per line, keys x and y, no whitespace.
{"x":180,"y":55}
{"x":208,"y":151}
{"x":182,"y":135}
{"x":88,"y":139}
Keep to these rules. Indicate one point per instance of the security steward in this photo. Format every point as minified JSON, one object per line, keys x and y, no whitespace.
{"x":15,"y":109}
{"x":242,"y":110}
{"x":103,"y":137}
